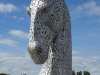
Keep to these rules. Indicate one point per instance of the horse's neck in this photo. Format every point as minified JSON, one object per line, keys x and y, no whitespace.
{"x":59,"y":58}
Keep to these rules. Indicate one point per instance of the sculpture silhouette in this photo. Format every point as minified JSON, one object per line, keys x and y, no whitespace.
{"x":50,"y":36}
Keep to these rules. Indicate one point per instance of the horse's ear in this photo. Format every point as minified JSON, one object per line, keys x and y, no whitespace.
{"x":28,"y":10}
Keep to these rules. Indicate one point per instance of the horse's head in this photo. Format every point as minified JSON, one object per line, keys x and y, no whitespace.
{"x":46,"y":24}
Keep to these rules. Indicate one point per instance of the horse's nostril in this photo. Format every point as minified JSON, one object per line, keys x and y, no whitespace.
{"x":38,"y":50}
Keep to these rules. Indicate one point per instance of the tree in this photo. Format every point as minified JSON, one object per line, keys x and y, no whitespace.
{"x":86,"y":73}
{"x":73,"y":72}
{"x":79,"y":73}
{"x":4,"y":74}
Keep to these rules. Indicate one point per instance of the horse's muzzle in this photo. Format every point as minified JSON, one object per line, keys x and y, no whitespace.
{"x":37,"y":55}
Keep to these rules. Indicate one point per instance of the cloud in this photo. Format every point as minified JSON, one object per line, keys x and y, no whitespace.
{"x":83,"y":62}
{"x":89,"y":8}
{"x":7,"y":8}
{"x":19,"y":34}
{"x":8,"y":42}
{"x":16,"y":65}
{"x":14,"y":17}
{"x":18,"y":18}
{"x":22,"y":63}
{"x":21,"y":18}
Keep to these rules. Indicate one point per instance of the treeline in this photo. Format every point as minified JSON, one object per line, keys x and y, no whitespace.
{"x":73,"y":73}
{"x":80,"y":73}
{"x":8,"y":74}
{"x":4,"y":74}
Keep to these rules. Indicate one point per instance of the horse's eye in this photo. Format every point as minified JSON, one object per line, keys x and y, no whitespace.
{"x":45,"y":9}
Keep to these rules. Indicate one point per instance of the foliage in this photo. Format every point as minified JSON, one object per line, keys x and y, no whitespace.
{"x":73,"y":72}
{"x":86,"y":73}
{"x":80,"y":73}
{"x":4,"y":74}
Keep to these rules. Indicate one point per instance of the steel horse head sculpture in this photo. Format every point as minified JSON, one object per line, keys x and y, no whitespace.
{"x":50,"y":36}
